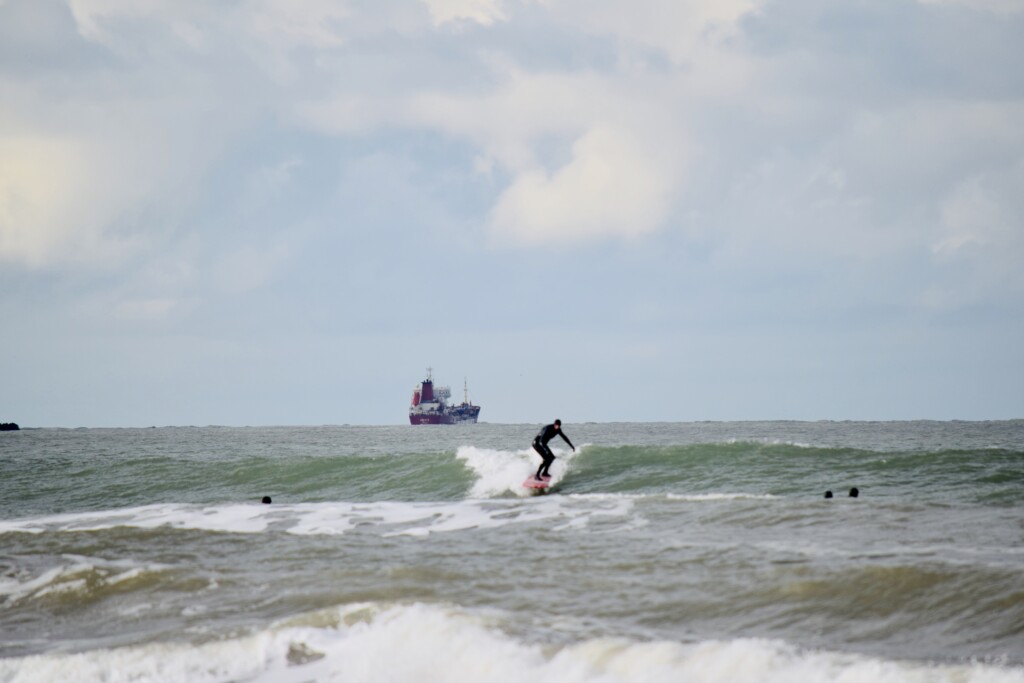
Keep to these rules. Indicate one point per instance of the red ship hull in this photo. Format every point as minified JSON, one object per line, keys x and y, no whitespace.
{"x":448,"y":415}
{"x":439,"y":419}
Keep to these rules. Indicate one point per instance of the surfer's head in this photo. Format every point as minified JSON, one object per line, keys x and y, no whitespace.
{"x":558,"y":423}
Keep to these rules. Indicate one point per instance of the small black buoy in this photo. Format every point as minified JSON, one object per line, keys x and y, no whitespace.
{"x":266,"y":499}
{"x":828,"y":494}
{"x":854,"y":492}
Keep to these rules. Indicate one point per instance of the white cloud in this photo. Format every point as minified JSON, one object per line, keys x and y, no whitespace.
{"x":101,"y":162}
{"x":688,"y":32}
{"x":625,"y":153}
{"x":983,"y":219}
{"x":267,"y":182}
{"x":90,"y":14}
{"x":612,"y":187}
{"x":92,"y":184}
{"x":624,"y":127}
{"x":146,"y":310}
{"x":632,"y":118}
{"x":268,"y":32}
{"x":484,"y":12}
{"x":979,"y":243}
{"x":347,"y":113}
{"x":250,"y":267}
{"x":972,"y":217}
{"x":997,"y":6}
{"x":58,"y":197}
{"x":585,"y":152}
{"x":281,"y":24}
{"x":509,"y":121}
{"x":37,"y":178}
{"x":311,"y":24}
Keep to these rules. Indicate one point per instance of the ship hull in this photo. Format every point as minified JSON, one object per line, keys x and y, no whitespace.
{"x":443,"y":418}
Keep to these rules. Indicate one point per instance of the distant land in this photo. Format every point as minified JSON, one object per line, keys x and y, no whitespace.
{"x":9,"y":427}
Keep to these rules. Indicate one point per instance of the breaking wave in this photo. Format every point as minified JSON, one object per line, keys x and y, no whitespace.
{"x":417,"y":642}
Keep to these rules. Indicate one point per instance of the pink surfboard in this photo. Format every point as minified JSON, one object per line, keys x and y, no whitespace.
{"x":532,"y":483}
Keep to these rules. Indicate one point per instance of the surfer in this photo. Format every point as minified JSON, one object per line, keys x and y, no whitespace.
{"x":540,"y":444}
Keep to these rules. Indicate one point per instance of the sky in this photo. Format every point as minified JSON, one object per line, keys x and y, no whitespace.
{"x":283,"y":212}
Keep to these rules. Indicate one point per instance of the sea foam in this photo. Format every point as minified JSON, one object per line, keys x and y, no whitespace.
{"x":75,"y":577}
{"x":501,"y":472}
{"x":388,"y":518}
{"x":428,"y":643}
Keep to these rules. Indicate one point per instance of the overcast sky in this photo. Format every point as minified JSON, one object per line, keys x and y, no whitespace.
{"x":283,"y":211}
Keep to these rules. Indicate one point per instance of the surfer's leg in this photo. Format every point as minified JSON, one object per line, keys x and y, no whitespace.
{"x":540,"y":448}
{"x":549,"y":458}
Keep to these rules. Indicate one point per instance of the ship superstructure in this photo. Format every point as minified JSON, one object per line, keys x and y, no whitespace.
{"x":430,"y":405}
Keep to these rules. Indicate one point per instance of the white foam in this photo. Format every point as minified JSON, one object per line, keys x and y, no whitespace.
{"x":74,"y":574}
{"x":389,"y":518}
{"x":696,"y":498}
{"x":767,"y":441}
{"x":435,"y":643}
{"x":237,"y":517}
{"x":423,"y":519}
{"x":500,"y":472}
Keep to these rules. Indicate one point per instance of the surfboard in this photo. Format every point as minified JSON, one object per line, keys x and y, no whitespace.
{"x":532,"y":483}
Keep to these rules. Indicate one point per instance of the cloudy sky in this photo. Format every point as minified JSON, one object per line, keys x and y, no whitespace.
{"x":257,"y":212}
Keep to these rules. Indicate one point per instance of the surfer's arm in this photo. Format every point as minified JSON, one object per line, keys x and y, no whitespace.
{"x":567,"y":440}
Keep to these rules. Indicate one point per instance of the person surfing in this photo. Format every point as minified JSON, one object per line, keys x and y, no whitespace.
{"x":540,"y":444}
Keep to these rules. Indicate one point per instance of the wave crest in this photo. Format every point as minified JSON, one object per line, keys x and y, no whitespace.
{"x":501,"y":472}
{"x":76,"y":579}
{"x":418,"y":642}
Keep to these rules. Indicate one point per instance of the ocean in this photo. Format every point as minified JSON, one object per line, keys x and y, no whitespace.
{"x":696,"y":552}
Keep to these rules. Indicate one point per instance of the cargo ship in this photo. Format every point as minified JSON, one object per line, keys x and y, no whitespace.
{"x":430,"y":405}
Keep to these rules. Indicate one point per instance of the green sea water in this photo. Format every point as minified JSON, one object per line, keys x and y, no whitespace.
{"x":670,"y":551}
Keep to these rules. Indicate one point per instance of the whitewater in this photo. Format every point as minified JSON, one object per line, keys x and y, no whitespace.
{"x":664,"y":552}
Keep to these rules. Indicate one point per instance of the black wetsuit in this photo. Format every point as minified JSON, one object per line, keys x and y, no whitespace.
{"x":540,"y":444}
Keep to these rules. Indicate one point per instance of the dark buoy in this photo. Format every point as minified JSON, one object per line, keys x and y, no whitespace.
{"x":854,"y":492}
{"x":266,"y":500}
{"x":828,"y":494}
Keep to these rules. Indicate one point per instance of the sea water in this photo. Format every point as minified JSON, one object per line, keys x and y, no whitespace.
{"x":664,"y":552}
